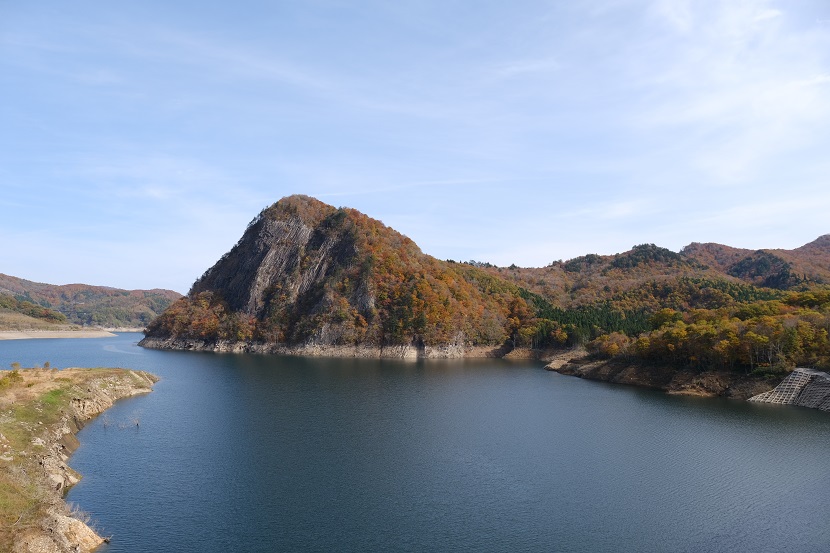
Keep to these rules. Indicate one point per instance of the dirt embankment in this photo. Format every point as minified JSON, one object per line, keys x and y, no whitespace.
{"x":33,"y":334}
{"x":41,"y":410}
{"x":660,"y":377}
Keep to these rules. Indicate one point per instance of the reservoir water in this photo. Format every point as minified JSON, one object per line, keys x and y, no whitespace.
{"x":264,"y":454}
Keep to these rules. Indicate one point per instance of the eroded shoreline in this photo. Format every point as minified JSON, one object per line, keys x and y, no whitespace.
{"x":41,"y":411}
{"x":679,"y":382}
{"x":403,"y":351}
{"x":570,"y":362}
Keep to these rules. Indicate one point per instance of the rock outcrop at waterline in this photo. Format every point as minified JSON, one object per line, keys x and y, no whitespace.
{"x":309,"y":278}
{"x":403,"y":351}
{"x":666,"y":379}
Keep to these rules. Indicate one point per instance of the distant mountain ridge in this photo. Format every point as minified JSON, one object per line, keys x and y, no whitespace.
{"x":308,"y":275}
{"x":87,"y":305}
{"x":587,"y":278}
{"x":774,"y":268}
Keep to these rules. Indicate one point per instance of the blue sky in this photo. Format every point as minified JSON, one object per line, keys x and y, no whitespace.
{"x":139,"y":138}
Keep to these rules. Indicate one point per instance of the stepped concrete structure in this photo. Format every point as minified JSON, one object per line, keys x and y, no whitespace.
{"x":804,"y":387}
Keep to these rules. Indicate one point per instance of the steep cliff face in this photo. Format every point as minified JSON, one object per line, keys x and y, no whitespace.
{"x":291,"y":249}
{"x":306,"y":274}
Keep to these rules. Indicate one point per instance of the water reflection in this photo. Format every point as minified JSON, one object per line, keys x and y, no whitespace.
{"x":261,"y":453}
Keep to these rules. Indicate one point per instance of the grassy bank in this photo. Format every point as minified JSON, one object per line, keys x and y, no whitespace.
{"x":10,"y":320}
{"x":40,"y":412}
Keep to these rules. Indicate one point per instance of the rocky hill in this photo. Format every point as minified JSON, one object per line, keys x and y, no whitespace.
{"x":306,"y":273}
{"x":81,"y":304}
{"x":307,"y":277}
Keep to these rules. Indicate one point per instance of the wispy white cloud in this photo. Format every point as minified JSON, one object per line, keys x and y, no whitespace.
{"x":613,"y":210}
{"x":678,"y":14}
{"x":767,"y":14}
{"x":740,"y":85}
{"x":758,"y":213}
{"x":528,"y":66}
{"x":577,"y":127}
{"x":227,"y":59}
{"x":380,"y":189}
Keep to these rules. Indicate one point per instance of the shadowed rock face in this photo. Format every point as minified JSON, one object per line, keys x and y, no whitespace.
{"x":285,"y":250}
{"x":803,"y":387}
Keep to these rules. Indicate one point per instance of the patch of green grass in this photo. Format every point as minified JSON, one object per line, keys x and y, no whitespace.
{"x":45,"y":410}
{"x":20,"y":507}
{"x":16,"y":436}
{"x":53,"y":397}
{"x":14,"y":499}
{"x":51,"y":403}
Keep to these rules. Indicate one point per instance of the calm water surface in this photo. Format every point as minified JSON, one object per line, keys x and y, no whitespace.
{"x":260,"y":454}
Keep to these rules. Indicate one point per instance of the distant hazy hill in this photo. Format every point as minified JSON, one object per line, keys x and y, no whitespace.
{"x":308,"y":274}
{"x":82,"y":304}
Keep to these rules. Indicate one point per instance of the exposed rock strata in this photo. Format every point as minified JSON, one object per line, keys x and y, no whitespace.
{"x":58,"y":531}
{"x":410,"y":351}
{"x":293,"y":253}
{"x":708,"y":384}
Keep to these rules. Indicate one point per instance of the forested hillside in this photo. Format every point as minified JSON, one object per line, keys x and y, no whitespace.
{"x":17,"y":314}
{"x":708,"y":307}
{"x":306,"y":272}
{"x":82,"y":304}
